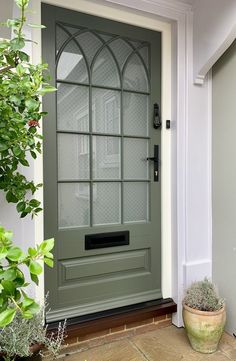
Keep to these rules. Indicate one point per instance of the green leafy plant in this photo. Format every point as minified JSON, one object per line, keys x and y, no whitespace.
{"x":21,"y":86}
{"x":203,"y":296}
{"x":16,"y":339}
{"x":13,"y":297}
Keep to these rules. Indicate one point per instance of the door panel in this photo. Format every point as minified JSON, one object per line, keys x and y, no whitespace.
{"x":97,"y":139}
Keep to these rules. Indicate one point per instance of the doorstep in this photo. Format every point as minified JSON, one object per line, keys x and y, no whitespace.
{"x":107,"y":326}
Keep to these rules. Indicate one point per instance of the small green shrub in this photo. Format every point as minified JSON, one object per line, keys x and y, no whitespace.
{"x":13,"y":297}
{"x":16,"y":338}
{"x":203,"y":296}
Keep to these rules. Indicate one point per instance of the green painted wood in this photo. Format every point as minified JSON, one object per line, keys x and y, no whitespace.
{"x":87,"y":281}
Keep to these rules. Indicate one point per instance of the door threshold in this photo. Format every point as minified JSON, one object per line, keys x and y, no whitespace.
{"x":109,"y":319}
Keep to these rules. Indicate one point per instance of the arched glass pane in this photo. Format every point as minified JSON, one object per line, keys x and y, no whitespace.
{"x":62,"y":36}
{"x":105,"y":72}
{"x":71,"y":65}
{"x":135,"y":77}
{"x":145,"y":55}
{"x":90,"y":44}
{"x":121,"y":50}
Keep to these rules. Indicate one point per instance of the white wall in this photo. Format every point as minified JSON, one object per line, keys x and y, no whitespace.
{"x":6,"y":8}
{"x":214,"y":31}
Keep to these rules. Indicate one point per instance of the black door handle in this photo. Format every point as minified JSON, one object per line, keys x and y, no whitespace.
{"x":155,"y":159}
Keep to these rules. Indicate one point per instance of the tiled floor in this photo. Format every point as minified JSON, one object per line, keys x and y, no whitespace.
{"x":166,"y":344}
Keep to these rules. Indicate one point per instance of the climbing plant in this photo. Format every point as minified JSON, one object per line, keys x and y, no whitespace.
{"x":21,"y":86}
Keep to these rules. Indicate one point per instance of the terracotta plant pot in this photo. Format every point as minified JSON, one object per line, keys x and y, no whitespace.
{"x":204,"y":329}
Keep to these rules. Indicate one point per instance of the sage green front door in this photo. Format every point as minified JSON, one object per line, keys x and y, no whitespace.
{"x":102,"y":194}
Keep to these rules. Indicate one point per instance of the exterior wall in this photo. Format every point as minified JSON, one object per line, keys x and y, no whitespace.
{"x":224,"y":180}
{"x":6,"y":7}
{"x":186,"y":186}
{"x":214,"y":31}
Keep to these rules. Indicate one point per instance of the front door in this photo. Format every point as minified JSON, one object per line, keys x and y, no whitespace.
{"x":102,"y":194}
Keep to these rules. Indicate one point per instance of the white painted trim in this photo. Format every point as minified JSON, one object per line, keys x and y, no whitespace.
{"x":200,"y":77}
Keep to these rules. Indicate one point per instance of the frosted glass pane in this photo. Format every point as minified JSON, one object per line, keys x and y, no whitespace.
{"x":106,"y":154}
{"x":90,"y":44}
{"x":73,"y":156}
{"x":72,"y":108}
{"x":144,"y":52}
{"x":71,"y":65}
{"x":135,"y":77}
{"x":136,"y":202}
{"x":121,"y":50}
{"x":73,"y":205}
{"x":62,"y":36}
{"x":135,"y":158}
{"x":106,"y":203}
{"x":105,"y":71}
{"x":136,"y":114}
{"x":106,"y":111}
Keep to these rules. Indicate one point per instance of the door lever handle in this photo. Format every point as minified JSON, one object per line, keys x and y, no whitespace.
{"x":154,"y":159}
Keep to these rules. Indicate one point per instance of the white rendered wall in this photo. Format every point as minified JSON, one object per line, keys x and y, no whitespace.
{"x":214,"y":31}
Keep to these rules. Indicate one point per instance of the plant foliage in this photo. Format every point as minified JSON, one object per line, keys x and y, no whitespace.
{"x":21,"y":86}
{"x":13,"y":297}
{"x":203,"y":296}
{"x":21,"y":334}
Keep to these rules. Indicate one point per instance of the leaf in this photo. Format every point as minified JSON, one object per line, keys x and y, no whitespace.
{"x":37,"y":26}
{"x":33,"y":154}
{"x":20,"y":69}
{"x":32,"y":252}
{"x":34,"y":278}
{"x":7,"y":317}
{"x":49,"y":262}
{"x":14,"y":254}
{"x":11,"y":198}
{"x":17,"y":150}
{"x":20,"y":206}
{"x":22,"y":3}
{"x":31,"y":104}
{"x":47,"y":246}
{"x":3,"y":146}
{"x":3,"y":252}
{"x":35,"y":268}
{"x":26,"y":300}
{"x":17,"y":43}
{"x":24,"y":162}
{"x":9,"y":287}
{"x":34,"y":203}
{"x":10,"y":274}
{"x":47,"y":89}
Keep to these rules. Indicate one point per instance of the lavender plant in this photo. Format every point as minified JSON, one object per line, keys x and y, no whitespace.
{"x":203,"y":296}
{"x":17,"y":338}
